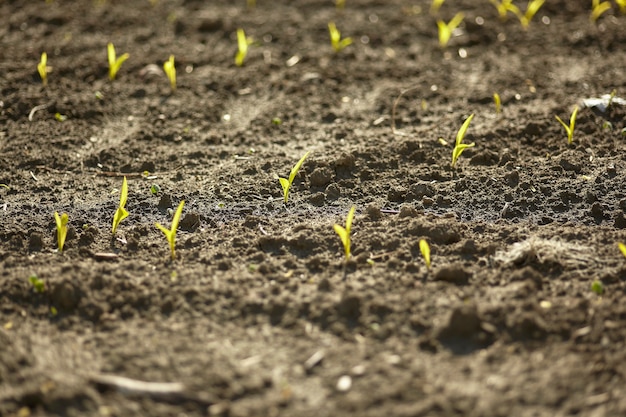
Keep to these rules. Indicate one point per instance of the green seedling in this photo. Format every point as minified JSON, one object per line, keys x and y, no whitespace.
{"x":572,"y":123}
{"x":42,"y":68}
{"x":497,"y":102}
{"x":61,"y":222}
{"x":446,"y":29}
{"x":622,"y":248}
{"x":5,"y":186}
{"x":170,"y":234}
{"x":344,"y":232}
{"x":598,"y":8}
{"x":243,"y":44}
{"x":60,"y":117}
{"x":155,"y":189}
{"x":336,"y":42}
{"x":286,"y":183}
{"x":38,"y":284}
{"x":425,"y":250}
{"x":597,"y":287}
{"x":531,"y":10}
{"x":504,"y":7}
{"x":459,"y":146}
{"x":115,"y":63}
{"x":435,"y":5}
{"x":121,"y":213}
{"x":170,"y":70}
{"x":622,"y":6}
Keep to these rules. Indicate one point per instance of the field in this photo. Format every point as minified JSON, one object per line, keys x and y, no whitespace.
{"x":520,"y":314}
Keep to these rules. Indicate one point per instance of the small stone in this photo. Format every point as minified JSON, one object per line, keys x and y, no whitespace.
{"x":344,"y":383}
{"x":321,"y":176}
{"x":333,"y":192}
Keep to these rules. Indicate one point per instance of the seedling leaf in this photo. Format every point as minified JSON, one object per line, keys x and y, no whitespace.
{"x":344,"y":232}
{"x":622,"y":248}
{"x":243,"y":43}
{"x":61,"y":223}
{"x":336,"y":42}
{"x":170,"y":70}
{"x":38,"y":284}
{"x":114,"y":62}
{"x":598,"y":8}
{"x":459,"y":146}
{"x":497,"y":102}
{"x":286,"y":183}
{"x":572,"y":123}
{"x":425,"y":250}
{"x":121,"y":213}
{"x":170,"y":234}
{"x":42,"y":68}
{"x":532,"y":9}
{"x":446,"y":29}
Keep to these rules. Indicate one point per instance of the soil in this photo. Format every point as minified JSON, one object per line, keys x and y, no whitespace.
{"x":260,"y":314}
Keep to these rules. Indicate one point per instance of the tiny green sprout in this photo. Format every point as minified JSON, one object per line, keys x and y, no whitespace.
{"x":121,"y":213}
{"x":344,"y":232}
{"x":597,"y":287}
{"x":624,"y":131}
{"x":622,"y":248}
{"x":155,"y":189}
{"x":5,"y":186}
{"x":446,"y":29}
{"x":425,"y":250}
{"x":611,"y":98}
{"x":42,"y":68}
{"x":115,"y":63}
{"x":572,"y":123}
{"x":170,"y":71}
{"x":497,"y":102}
{"x":171,"y":233}
{"x":99,"y":95}
{"x":607,"y":125}
{"x":286,"y":183}
{"x":276,"y":121}
{"x":622,"y":6}
{"x":532,"y":9}
{"x":459,"y":146}
{"x":336,"y":42}
{"x":61,"y":223}
{"x":60,"y":117}
{"x":38,"y":284}
{"x":243,"y":44}
{"x":435,"y":5}
{"x":504,"y":7}
{"x":598,"y":8}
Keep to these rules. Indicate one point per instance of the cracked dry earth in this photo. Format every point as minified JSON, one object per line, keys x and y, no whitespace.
{"x":260,"y":315}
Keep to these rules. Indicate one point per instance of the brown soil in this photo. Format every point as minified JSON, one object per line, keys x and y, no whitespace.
{"x":260,"y":315}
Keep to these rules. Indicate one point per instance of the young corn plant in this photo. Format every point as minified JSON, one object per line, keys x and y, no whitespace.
{"x":504,"y":7}
{"x":115,"y":63}
{"x":121,"y":213}
{"x":622,"y":248}
{"x":286,"y":183}
{"x":170,"y":70}
{"x":42,"y":68}
{"x":446,"y":29}
{"x":170,"y":234}
{"x":497,"y":102}
{"x":336,"y":42}
{"x":61,"y":223}
{"x":569,"y":129}
{"x":459,"y":146}
{"x":344,"y":232}
{"x":598,"y":8}
{"x":425,"y":250}
{"x":435,"y":5}
{"x":243,"y":44}
{"x":531,"y":10}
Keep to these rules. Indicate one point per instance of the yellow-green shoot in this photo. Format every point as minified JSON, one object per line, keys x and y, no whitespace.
{"x":61,"y":222}
{"x":170,"y":70}
{"x":425,"y":250}
{"x":622,"y":248}
{"x":170,"y":234}
{"x":286,"y":183}
{"x":336,"y":42}
{"x":497,"y":102}
{"x":446,"y":29}
{"x":569,"y":128}
{"x":115,"y":63}
{"x":598,"y":8}
{"x":42,"y":68}
{"x":531,"y":10}
{"x":344,"y":232}
{"x":622,"y":6}
{"x":504,"y":7}
{"x":435,"y":5}
{"x":243,"y":44}
{"x":459,"y":146}
{"x":121,"y":213}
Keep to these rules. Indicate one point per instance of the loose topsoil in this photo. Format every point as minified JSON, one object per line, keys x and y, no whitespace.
{"x":260,"y":314}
